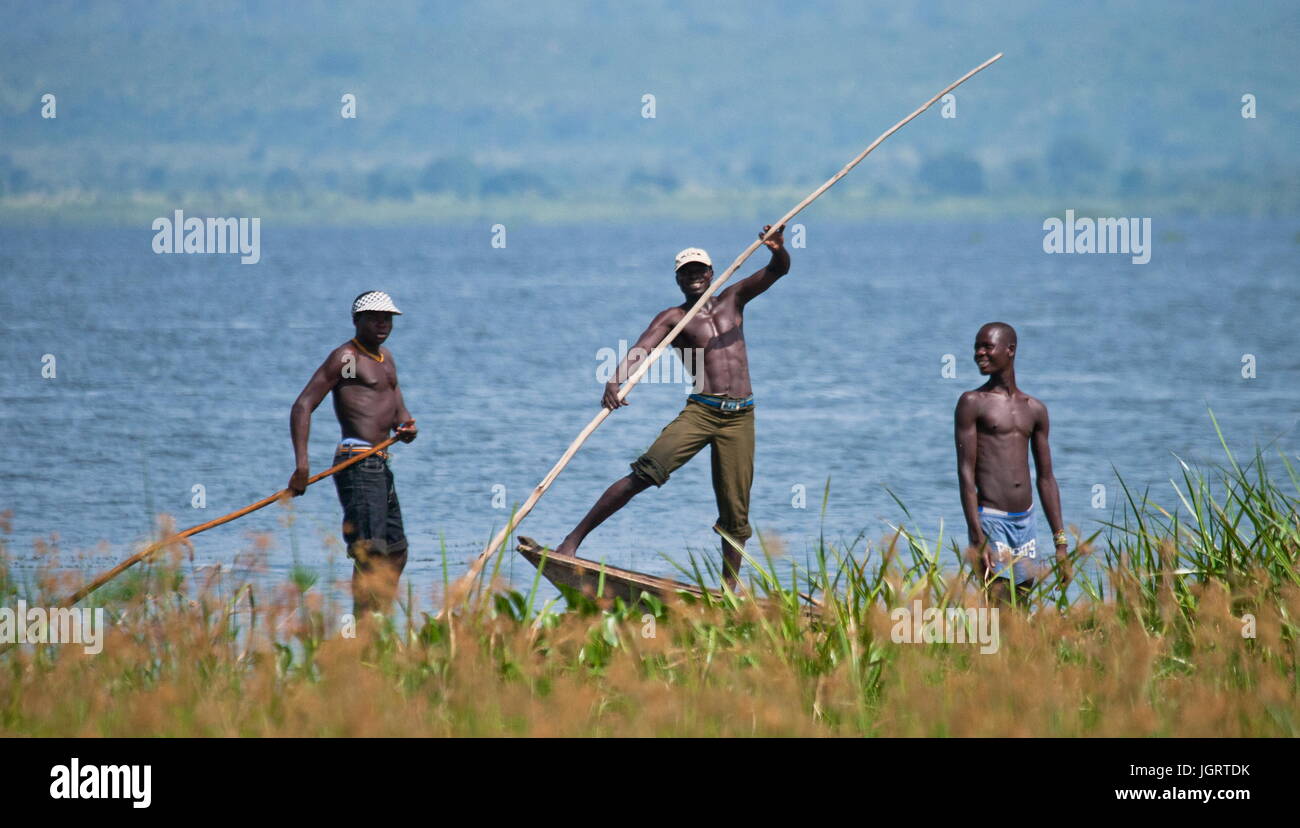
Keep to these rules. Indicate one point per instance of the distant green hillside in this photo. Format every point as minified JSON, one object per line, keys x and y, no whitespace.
{"x":536,"y":109}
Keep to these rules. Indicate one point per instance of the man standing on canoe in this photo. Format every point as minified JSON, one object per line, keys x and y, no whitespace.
{"x":720,"y":415}
{"x":368,"y":403}
{"x":997,"y":426}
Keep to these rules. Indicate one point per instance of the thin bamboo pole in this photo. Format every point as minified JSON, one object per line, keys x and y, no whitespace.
{"x":105,"y":577}
{"x":463,"y":584}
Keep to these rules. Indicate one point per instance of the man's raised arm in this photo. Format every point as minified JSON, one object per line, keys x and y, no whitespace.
{"x":765,"y":277}
{"x":317,"y":387}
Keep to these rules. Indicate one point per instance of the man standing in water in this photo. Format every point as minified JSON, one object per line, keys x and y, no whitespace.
{"x":368,"y":403}
{"x":997,"y":425}
{"x":720,"y":415}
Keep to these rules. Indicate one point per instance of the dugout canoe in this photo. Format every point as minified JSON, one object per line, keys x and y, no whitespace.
{"x":586,"y":576}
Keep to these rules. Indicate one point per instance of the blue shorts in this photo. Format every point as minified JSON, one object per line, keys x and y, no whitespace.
{"x":1012,"y":539}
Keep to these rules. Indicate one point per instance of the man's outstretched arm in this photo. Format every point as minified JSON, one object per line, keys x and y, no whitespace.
{"x":1049,"y":493}
{"x":765,"y":277}
{"x":317,"y":387}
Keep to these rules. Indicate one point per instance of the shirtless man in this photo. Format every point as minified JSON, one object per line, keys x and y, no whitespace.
{"x":720,"y":415}
{"x":997,"y":425}
{"x":368,"y":403}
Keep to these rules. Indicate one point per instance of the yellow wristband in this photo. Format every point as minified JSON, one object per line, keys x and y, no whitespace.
{"x":1060,"y":538}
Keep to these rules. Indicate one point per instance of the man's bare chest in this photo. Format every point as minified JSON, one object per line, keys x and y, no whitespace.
{"x":1006,"y":419}
{"x":718,"y":328}
{"x":369,"y":375}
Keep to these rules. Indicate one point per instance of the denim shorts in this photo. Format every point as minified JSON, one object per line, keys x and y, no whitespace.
{"x":371,"y":515}
{"x":1013,"y":544}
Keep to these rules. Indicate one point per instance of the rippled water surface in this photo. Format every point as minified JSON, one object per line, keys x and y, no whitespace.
{"x":175,"y":371}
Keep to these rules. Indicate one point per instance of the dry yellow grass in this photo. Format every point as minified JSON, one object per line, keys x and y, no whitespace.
{"x":177,"y":667}
{"x":1180,"y":624}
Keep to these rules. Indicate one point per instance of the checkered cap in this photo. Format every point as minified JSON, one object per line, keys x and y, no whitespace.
{"x":375,"y":300}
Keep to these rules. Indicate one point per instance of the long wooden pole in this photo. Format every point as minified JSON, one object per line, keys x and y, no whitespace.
{"x":463,"y":584}
{"x":105,"y":577}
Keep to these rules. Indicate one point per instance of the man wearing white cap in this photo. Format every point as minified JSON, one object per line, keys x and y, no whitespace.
{"x":720,"y":415}
{"x":368,"y":404}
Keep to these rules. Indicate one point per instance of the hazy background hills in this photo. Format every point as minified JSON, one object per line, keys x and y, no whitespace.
{"x":505,"y":109}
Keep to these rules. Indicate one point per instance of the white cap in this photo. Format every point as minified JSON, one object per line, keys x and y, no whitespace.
{"x":375,"y":300}
{"x":692,"y":254}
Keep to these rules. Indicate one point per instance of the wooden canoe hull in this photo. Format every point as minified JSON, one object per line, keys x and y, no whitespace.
{"x":585,"y":576}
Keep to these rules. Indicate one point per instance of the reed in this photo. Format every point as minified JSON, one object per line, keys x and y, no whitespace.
{"x":1147,"y":642}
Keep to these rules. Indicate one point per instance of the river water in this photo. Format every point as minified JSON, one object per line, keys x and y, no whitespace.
{"x":176,"y":371}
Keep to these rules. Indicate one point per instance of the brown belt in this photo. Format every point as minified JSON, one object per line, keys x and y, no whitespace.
{"x":353,"y":449}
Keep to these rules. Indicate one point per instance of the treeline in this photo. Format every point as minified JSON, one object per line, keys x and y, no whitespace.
{"x":1069,"y":166}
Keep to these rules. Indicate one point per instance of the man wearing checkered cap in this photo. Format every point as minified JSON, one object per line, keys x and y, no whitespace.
{"x":720,"y":415}
{"x":368,"y":404}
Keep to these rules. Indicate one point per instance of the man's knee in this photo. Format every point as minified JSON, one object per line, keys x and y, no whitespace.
{"x":638,"y":483}
{"x":738,"y":532}
{"x":374,"y":569}
{"x":648,"y":471}
{"x":1001,"y":591}
{"x":395,"y":556}
{"x":375,"y":587}
{"x":371,"y":549}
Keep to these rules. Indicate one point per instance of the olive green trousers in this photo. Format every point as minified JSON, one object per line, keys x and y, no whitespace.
{"x":730,"y":436}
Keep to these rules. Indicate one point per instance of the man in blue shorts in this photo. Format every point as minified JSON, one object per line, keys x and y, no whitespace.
{"x":997,"y":426}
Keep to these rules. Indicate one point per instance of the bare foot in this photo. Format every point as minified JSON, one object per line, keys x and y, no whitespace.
{"x":567,"y":547}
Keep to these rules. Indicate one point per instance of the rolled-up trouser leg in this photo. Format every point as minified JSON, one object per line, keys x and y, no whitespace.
{"x":679,"y":441}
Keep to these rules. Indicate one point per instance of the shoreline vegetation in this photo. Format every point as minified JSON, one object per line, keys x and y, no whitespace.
{"x":852,"y":202}
{"x":1183,"y":622}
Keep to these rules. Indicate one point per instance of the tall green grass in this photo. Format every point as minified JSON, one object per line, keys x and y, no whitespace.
{"x":1181,"y":621}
